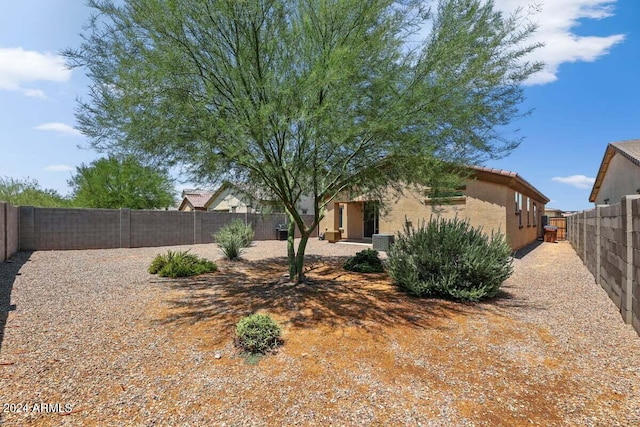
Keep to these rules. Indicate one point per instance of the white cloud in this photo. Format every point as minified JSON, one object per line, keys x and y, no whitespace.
{"x":19,"y":67}
{"x":556,"y":20}
{"x":59,"y":127}
{"x":58,"y":168}
{"x":578,"y":181}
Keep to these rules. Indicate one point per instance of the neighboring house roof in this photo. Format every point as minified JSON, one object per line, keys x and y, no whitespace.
{"x":197,"y":199}
{"x":242,"y":191}
{"x":628,"y":149}
{"x":510,"y":179}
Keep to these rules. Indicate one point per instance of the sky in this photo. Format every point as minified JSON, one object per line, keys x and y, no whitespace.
{"x":586,"y":97}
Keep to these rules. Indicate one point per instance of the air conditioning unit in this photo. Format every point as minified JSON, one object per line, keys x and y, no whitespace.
{"x":382,"y":242}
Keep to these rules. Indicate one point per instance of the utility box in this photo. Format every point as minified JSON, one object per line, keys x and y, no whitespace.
{"x":332,"y":235}
{"x":382,"y":242}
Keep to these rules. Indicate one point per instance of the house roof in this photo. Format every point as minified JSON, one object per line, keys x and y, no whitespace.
{"x":241,"y":190}
{"x":628,"y":149}
{"x":197,"y":199}
{"x":510,"y":179}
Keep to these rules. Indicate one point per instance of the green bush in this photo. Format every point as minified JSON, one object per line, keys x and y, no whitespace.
{"x":180,"y":264}
{"x":450,"y":259}
{"x":233,"y":238}
{"x":366,"y":261}
{"x":258,"y":333}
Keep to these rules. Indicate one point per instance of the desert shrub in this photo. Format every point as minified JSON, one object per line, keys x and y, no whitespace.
{"x":180,"y":264}
{"x":258,"y":333}
{"x":366,"y":261}
{"x":450,"y":259}
{"x":160,"y":261}
{"x":233,"y":238}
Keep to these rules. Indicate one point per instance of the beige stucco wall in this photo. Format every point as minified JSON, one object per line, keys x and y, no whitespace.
{"x":225,"y":201}
{"x":520,"y":234}
{"x":410,"y":207}
{"x":483,"y":205}
{"x":330,"y":220}
{"x":486,"y":204}
{"x":622,"y":178}
{"x":354,"y":219}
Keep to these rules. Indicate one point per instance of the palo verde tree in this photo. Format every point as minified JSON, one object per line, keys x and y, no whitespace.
{"x":304,"y":97}
{"x":114,"y":183}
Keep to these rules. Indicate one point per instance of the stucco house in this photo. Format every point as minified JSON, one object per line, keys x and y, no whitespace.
{"x":493,"y":199}
{"x":194,"y":200}
{"x":619,"y":173}
{"x":230,"y":198}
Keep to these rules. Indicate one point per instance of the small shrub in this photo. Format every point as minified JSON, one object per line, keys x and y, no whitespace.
{"x":160,"y":261}
{"x":258,"y":334}
{"x":450,"y":259}
{"x":180,"y":264}
{"x":234,"y":238}
{"x":366,"y":261}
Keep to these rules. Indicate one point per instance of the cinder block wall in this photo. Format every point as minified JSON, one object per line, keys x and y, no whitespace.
{"x":61,"y":228}
{"x":607,"y":239}
{"x":3,"y":231}
{"x":9,"y":228}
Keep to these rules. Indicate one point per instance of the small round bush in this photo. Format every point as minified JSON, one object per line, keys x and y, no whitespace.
{"x":450,"y":259}
{"x":258,"y":333}
{"x":366,"y":261}
{"x":233,"y":238}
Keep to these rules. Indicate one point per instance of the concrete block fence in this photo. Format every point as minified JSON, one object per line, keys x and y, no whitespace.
{"x":9,"y":238}
{"x":31,"y":228}
{"x":607,"y":239}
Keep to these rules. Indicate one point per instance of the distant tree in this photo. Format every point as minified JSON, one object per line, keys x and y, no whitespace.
{"x":300,"y":97}
{"x":27,"y":192}
{"x":115,"y":183}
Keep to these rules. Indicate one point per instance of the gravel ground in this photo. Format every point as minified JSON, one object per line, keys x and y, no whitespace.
{"x":81,"y":329}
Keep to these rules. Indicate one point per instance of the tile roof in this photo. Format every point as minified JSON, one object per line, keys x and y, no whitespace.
{"x":199,"y":199}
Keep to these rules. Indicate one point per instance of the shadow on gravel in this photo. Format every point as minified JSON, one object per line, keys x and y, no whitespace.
{"x":523,"y":252}
{"x":8,"y":272}
{"x":331,"y":297}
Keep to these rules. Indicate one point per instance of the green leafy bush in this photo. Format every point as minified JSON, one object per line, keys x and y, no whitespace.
{"x":180,"y":264}
{"x":450,"y":259}
{"x":258,"y":333}
{"x":366,"y":261}
{"x":233,"y":238}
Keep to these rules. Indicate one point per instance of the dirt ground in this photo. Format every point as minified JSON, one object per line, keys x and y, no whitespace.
{"x":357,"y":351}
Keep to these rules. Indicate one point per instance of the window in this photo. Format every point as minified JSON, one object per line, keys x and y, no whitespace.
{"x":340,"y":219}
{"x":528,"y":212}
{"x":519,"y":208}
{"x":518,"y":202}
{"x":535,"y":214}
{"x":304,"y":211}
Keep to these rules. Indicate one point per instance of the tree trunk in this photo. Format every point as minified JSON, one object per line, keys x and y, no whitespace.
{"x":291,"y":251}
{"x":300,"y":256}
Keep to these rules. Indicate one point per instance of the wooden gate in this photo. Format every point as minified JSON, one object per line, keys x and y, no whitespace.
{"x":561,"y":223}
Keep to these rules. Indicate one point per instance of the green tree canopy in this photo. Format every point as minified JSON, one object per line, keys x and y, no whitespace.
{"x":27,"y":192}
{"x":114,"y":183}
{"x":300,"y":97}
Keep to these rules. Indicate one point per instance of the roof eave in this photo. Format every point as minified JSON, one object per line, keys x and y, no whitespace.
{"x":604,"y":166}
